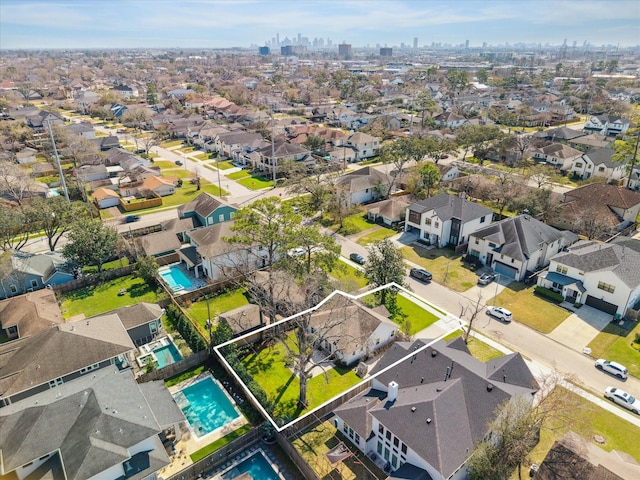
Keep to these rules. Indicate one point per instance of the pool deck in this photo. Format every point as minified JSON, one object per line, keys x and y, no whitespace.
{"x":196,"y":283}
{"x":190,"y":443}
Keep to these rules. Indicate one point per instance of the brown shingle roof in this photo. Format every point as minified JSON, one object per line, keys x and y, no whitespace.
{"x":31,"y":312}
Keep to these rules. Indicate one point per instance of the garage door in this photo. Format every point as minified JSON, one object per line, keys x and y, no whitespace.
{"x":506,"y":270}
{"x":601,"y":305}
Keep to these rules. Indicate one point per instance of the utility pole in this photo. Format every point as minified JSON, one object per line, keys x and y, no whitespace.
{"x":273,"y":146}
{"x":55,"y":154}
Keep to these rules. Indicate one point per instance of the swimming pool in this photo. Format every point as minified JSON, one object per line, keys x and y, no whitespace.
{"x":167,"y":355}
{"x":176,"y":278}
{"x":206,"y":406}
{"x":256,"y":465}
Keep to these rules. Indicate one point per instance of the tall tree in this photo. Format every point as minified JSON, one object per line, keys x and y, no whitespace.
{"x":54,"y":217}
{"x":384,"y":265}
{"x":626,"y":148}
{"x":15,"y":182}
{"x":429,"y":177}
{"x":15,"y":229}
{"x":91,"y":242}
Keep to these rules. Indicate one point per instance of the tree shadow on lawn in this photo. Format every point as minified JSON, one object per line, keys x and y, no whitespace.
{"x":138,"y":290}
{"x":255,"y":365}
{"x":282,"y":390}
{"x":341,"y":370}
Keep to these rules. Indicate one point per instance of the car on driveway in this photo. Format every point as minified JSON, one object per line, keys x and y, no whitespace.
{"x":623,"y":399}
{"x":356,"y":257}
{"x":613,"y":368}
{"x":500,"y":313}
{"x":486,"y":278}
{"x":131,"y":218}
{"x":420,"y":274}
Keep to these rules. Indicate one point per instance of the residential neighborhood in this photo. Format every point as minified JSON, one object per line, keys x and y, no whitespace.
{"x":309,"y":258}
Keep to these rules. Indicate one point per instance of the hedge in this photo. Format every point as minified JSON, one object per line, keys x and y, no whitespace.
{"x":186,"y":329}
{"x":549,"y":294}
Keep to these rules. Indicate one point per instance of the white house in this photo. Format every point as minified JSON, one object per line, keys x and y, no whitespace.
{"x":363,"y":185}
{"x":517,"y":245}
{"x":446,"y":219}
{"x":160,"y":185}
{"x":598,"y":163}
{"x":607,"y":125}
{"x":106,"y":198}
{"x":365,"y":145}
{"x":449,"y":119}
{"x":605,"y":276}
{"x":557,"y":154}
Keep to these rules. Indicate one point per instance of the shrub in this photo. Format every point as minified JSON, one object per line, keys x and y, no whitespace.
{"x":349,"y":227}
{"x":186,"y":329}
{"x":549,"y":294}
{"x":637,"y":338}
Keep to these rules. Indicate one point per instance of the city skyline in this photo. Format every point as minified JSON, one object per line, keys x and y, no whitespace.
{"x":36,"y":24}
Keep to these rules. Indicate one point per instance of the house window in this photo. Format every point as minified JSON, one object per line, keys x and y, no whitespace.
{"x":425,"y":234}
{"x":153,"y":327}
{"x":482,"y":219}
{"x":357,"y":439}
{"x":379,"y":449}
{"x":579,"y":165}
{"x":396,"y":442}
{"x":366,"y":190}
{"x":492,"y":245}
{"x":561,"y":269}
{"x":437,"y":225}
{"x":477,"y":241}
{"x":388,"y":435}
{"x":427,"y":221}
{"x":34,"y":283}
{"x":12,"y":330}
{"x":13,"y":289}
{"x":380,"y":428}
{"x":601,"y":169}
{"x":386,"y":454}
{"x":414,"y":217}
{"x":394,"y":461}
{"x":55,"y":383}
{"x":606,"y":287}
{"x":89,"y":368}
{"x":403,"y":448}
{"x":474,"y":253}
{"x":221,"y":217}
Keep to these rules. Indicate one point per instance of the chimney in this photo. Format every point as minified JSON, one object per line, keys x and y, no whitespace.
{"x":392,"y":393}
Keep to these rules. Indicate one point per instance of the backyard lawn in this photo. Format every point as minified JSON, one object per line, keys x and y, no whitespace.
{"x":527,"y":308}
{"x":314,"y":443}
{"x":378,"y":234}
{"x":353,"y":224}
{"x":186,"y":193}
{"x":446,"y":267}
{"x":615,"y":343}
{"x":104,"y":297}
{"x":268,"y":369}
{"x":349,"y":279}
{"x":219,"y":304}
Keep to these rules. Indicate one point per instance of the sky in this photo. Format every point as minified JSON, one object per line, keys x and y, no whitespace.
{"x":46,"y":24}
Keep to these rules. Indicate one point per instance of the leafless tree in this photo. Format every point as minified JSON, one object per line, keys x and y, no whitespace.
{"x":470,"y":312}
{"x":15,"y":182}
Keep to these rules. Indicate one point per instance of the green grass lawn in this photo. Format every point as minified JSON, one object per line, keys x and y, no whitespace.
{"x":414,"y":318}
{"x":446,"y":267}
{"x":238,"y":175}
{"x":529,"y":309}
{"x":188,"y":192}
{"x":255,"y":183}
{"x":478,"y":348}
{"x":221,"y":442}
{"x":225,"y":165}
{"x":353,"y":224}
{"x":112,"y":265}
{"x":171,"y":143}
{"x":282,"y":388}
{"x":104,"y":297}
{"x":219,"y":304}
{"x":185,"y":149}
{"x":615,"y":343}
{"x":166,"y":164}
{"x":181,"y":377}
{"x":588,"y":420}
{"x":349,"y":279}
{"x":379,"y":234}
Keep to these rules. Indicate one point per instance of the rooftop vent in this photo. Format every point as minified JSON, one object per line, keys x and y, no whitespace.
{"x":413,"y":409}
{"x":489,"y":387}
{"x":429,"y":420}
{"x":434,"y":353}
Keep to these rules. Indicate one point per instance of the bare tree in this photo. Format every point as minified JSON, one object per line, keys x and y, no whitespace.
{"x":470,"y":313}
{"x":14,"y":181}
{"x":506,"y":187}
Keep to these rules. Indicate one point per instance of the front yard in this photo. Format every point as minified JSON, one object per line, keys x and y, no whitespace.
{"x":527,"y":308}
{"x":105,"y":297}
{"x":377,"y":234}
{"x":348,"y":278}
{"x":412,"y":318}
{"x":445,"y":266}
{"x":616,"y":343}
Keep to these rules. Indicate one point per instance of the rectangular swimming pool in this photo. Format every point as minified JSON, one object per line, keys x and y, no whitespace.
{"x":167,"y":355}
{"x":206,"y":406}
{"x":256,"y":465}
{"x":176,"y":278}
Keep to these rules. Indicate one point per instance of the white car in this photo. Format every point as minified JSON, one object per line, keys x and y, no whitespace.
{"x":613,"y":368}
{"x":297,"y":252}
{"x":500,"y":313}
{"x":623,"y":399}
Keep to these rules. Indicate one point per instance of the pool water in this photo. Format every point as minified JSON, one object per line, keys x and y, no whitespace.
{"x":167,"y":355}
{"x":256,"y":465}
{"x":176,"y":279}
{"x":206,"y":407}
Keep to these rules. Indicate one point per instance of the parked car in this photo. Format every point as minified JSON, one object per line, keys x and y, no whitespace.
{"x":131,"y":218}
{"x":356,"y":257}
{"x":613,"y":368}
{"x":500,"y":313}
{"x":297,"y":252}
{"x":623,"y":399}
{"x":486,"y":278}
{"x":179,"y":163}
{"x":420,"y":274}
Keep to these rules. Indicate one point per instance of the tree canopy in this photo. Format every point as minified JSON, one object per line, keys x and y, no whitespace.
{"x":91,"y":242}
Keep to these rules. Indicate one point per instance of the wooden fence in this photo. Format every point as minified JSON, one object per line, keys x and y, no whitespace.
{"x":94,"y":279}
{"x":296,"y":458}
{"x":175,"y":368}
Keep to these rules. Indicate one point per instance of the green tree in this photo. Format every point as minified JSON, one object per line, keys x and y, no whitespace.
{"x":429,"y":177}
{"x":424,"y":104}
{"x":384,"y":265}
{"x":314,"y":143}
{"x":321,"y":252}
{"x":147,"y":269}
{"x":91,"y":242}
{"x":626,"y":148}
{"x":54,"y":217}
{"x":15,"y":229}
{"x":482,"y":75}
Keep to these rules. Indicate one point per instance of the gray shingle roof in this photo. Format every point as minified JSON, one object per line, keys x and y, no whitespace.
{"x":204,"y":205}
{"x":138,"y":314}
{"x":451,"y":206}
{"x":602,"y":156}
{"x":210,"y":240}
{"x":159,"y":242}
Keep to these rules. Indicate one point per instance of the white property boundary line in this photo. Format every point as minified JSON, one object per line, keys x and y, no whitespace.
{"x":312,"y":309}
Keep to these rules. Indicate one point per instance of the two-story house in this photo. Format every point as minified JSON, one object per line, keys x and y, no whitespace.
{"x":449,"y":119}
{"x":142,"y":321}
{"x":364,"y":145}
{"x":273,"y":156}
{"x":446,"y":219}
{"x":607,"y":125}
{"x":605,"y":276}
{"x":430,"y":406}
{"x":517,"y":245}
{"x":363,"y":185}
{"x":558,"y":155}
{"x":236,"y":143}
{"x":207,"y":209}
{"x":598,"y":163}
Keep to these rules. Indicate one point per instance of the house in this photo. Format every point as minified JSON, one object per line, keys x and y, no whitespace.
{"x":82,"y":129}
{"x":349,"y":330}
{"x":448,"y":172}
{"x":342,"y":156}
{"x":29,"y":313}
{"x":517,"y":245}
{"x":430,"y":406}
{"x":243,"y":320}
{"x":573,"y":457}
{"x":26,"y":155}
{"x":282,"y":152}
{"x":598,"y":163}
{"x":234,"y":144}
{"x":364,"y":145}
{"x":91,"y":173}
{"x":159,"y":185}
{"x":106,"y":143}
{"x":449,"y":119}
{"x":207,"y":209}
{"x":159,"y":244}
{"x":633,"y":180}
{"x":616,"y":206}
{"x":589,"y":142}
{"x":389,"y":212}
{"x":105,"y":198}
{"x":142,"y":321}
{"x":607,"y":125}
{"x":35,"y":364}
{"x":363,"y":185}
{"x":181,"y":227}
{"x":605,"y":276}
{"x":103,"y":425}
{"x":31,"y":271}
{"x":446,"y":219}
{"x":125,"y":91}
{"x":559,"y":134}
{"x":558,"y":155}
{"x":40,"y":120}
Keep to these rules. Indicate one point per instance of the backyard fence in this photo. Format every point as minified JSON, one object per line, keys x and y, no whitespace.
{"x":173,"y":369}
{"x":201,"y":468}
{"x":296,"y":458}
{"x":91,"y":280}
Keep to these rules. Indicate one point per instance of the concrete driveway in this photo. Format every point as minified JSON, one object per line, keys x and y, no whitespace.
{"x":580,"y":327}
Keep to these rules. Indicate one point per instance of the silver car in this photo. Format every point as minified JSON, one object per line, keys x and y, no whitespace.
{"x":500,"y":313}
{"x":623,"y":399}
